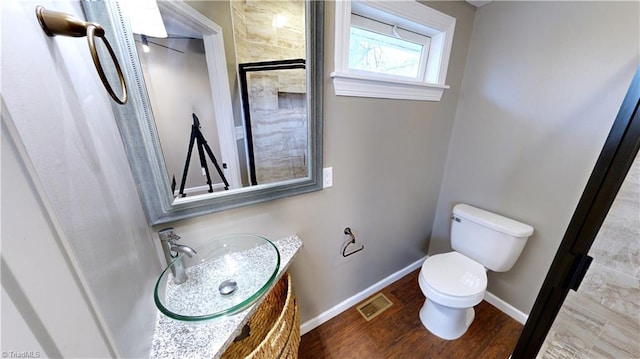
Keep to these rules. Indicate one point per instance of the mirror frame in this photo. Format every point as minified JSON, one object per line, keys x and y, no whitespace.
{"x":140,"y":137}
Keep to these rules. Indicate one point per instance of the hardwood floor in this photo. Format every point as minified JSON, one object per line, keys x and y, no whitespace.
{"x":398,"y":332}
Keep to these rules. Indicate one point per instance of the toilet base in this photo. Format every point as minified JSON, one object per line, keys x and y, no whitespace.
{"x":446,"y":322}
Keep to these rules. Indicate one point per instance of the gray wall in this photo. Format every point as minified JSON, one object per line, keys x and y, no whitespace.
{"x":388,"y":158}
{"x":178,"y":85}
{"x":542,"y":86}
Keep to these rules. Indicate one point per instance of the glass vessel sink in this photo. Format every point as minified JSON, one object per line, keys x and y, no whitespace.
{"x":227,"y":274}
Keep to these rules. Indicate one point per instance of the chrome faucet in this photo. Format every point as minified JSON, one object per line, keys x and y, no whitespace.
{"x":171,"y":249}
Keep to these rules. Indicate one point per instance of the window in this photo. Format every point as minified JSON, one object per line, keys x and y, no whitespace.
{"x":391,"y":50}
{"x":381,"y":48}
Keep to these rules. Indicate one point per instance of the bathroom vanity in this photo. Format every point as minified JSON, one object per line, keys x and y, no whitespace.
{"x":209,"y":339}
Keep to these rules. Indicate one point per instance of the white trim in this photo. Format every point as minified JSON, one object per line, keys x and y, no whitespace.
{"x":221,"y":93}
{"x":239,"y":133}
{"x":506,"y":308}
{"x":478,"y":3}
{"x":342,"y":29}
{"x":368,"y":86}
{"x":219,"y":82}
{"x":439,"y":26}
{"x":217,"y":187}
{"x":357,"y":298}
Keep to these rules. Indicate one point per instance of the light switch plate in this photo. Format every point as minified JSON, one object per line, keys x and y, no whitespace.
{"x":327,"y":177}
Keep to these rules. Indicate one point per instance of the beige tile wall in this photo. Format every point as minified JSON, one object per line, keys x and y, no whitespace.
{"x":602,"y":319}
{"x":257,"y":37}
{"x":277,"y":98}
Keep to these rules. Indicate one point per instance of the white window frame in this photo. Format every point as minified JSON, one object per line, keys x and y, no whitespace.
{"x":411,"y":15}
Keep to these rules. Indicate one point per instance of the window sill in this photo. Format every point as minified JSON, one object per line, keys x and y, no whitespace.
{"x":375,"y":87}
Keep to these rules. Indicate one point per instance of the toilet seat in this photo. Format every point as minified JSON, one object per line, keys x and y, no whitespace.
{"x":453,"y":280}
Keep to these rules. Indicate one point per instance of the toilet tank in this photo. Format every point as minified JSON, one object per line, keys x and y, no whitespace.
{"x":488,"y":238}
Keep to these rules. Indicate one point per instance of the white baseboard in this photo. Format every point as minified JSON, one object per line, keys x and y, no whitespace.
{"x":357,"y":298}
{"x":505,"y":307}
{"x":217,"y":187}
{"x":312,"y":323}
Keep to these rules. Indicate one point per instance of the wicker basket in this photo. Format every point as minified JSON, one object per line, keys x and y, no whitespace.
{"x":274,"y":327}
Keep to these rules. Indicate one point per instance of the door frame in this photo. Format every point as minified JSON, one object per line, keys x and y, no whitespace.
{"x":571,"y":261}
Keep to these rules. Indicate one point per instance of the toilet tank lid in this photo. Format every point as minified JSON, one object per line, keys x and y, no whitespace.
{"x":494,"y":221}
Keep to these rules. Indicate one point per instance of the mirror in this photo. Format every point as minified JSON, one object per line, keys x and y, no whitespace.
{"x":226,"y":110}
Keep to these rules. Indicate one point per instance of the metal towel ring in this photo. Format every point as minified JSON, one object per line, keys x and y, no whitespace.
{"x":57,"y":23}
{"x":91,"y":33}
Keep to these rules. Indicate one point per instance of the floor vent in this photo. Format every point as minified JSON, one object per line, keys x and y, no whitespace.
{"x":374,"y":306}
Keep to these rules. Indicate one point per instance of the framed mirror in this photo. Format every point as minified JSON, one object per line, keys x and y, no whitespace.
{"x":225,"y":110}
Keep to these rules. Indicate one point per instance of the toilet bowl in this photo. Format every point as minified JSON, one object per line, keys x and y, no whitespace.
{"x":454,"y":282}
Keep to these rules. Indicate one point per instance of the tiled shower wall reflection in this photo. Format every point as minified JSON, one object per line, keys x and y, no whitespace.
{"x":277,"y":98}
{"x":602,"y":319}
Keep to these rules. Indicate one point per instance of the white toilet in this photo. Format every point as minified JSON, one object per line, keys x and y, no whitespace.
{"x":454,"y":282}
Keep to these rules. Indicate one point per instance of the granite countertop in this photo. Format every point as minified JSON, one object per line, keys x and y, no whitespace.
{"x":209,"y":339}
